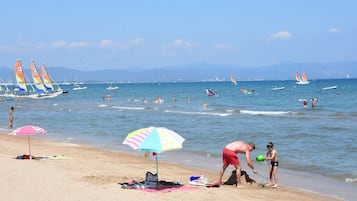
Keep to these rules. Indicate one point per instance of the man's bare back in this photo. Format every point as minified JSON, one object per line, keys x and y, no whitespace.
{"x":238,"y":147}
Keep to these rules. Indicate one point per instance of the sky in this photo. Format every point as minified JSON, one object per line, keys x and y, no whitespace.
{"x":146,"y":34}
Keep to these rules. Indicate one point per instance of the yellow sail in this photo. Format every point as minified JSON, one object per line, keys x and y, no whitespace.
{"x":20,"y":77}
{"x":37,"y":78}
{"x":302,"y":79}
{"x":233,"y":80}
{"x":304,"y":76}
{"x":46,"y":79}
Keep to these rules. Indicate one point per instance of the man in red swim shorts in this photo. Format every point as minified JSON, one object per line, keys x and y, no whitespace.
{"x":230,"y":157}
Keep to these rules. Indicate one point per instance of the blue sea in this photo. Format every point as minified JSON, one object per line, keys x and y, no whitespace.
{"x":320,"y":141}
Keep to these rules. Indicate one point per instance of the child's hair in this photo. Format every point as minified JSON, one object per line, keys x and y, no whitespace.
{"x":270,"y":144}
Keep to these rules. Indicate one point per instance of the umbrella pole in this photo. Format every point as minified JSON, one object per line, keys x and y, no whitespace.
{"x":157,"y":169}
{"x":30,"y":156}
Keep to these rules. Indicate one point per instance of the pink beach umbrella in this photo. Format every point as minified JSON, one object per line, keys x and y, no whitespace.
{"x":27,"y":131}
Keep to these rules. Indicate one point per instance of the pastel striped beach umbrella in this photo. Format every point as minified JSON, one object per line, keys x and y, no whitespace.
{"x":154,"y":139}
{"x":27,"y":131}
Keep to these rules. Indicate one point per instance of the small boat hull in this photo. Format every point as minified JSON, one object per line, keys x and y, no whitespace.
{"x":330,"y":88}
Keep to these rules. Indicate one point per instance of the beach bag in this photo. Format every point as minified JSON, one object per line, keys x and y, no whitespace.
{"x":232,"y":180}
{"x":151,"y":179}
{"x":198,"y":180}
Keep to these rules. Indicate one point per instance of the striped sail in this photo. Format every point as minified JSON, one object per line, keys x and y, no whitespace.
{"x":20,"y":77}
{"x":37,"y":78}
{"x":297,"y":77}
{"x":233,"y":80}
{"x":304,"y":76}
{"x":46,"y":79}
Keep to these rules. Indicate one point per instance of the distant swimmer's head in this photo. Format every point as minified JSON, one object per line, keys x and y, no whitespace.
{"x":270,"y":145}
{"x":12,"y":108}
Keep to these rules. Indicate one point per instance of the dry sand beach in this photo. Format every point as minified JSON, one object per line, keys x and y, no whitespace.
{"x":93,"y":174}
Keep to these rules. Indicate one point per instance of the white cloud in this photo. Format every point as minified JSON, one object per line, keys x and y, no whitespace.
{"x":333,"y":30}
{"x":137,"y":41}
{"x":281,"y":35}
{"x":59,"y":44}
{"x":178,"y":45}
{"x":121,"y":45}
{"x":105,"y":43}
{"x":73,"y":44}
{"x":21,"y":45}
{"x":225,"y":47}
{"x":181,"y":43}
{"x":80,"y":44}
{"x":221,"y":46}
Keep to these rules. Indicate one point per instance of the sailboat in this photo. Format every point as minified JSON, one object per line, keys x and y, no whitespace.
{"x":233,"y":80}
{"x":20,"y":78}
{"x":5,"y":91}
{"x":41,"y":90}
{"x":111,"y":87}
{"x":21,"y":90}
{"x":47,"y":81}
{"x":301,"y":80}
{"x":39,"y":84}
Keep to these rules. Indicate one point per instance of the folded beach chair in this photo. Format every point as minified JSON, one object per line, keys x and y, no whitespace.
{"x":151,"y":180}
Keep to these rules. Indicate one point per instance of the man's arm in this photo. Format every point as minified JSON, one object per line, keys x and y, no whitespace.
{"x":249,"y":162}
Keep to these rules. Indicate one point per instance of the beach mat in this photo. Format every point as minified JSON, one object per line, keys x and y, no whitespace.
{"x":163,"y":186}
{"x":53,"y":157}
{"x":165,"y":189}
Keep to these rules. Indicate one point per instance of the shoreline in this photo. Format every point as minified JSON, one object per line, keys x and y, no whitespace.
{"x":287,"y":177}
{"x":93,"y":174}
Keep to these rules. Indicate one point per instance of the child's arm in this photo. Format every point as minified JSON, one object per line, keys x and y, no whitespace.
{"x":272,"y":155}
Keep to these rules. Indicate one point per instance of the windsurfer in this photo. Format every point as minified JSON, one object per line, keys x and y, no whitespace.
{"x":210,"y":92}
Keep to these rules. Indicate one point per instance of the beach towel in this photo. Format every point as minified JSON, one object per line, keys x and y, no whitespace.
{"x":23,"y":157}
{"x":53,"y":157}
{"x":165,"y":189}
{"x":162,"y":186}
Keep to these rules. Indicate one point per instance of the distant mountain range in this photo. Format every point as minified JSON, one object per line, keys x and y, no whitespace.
{"x":198,"y":72}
